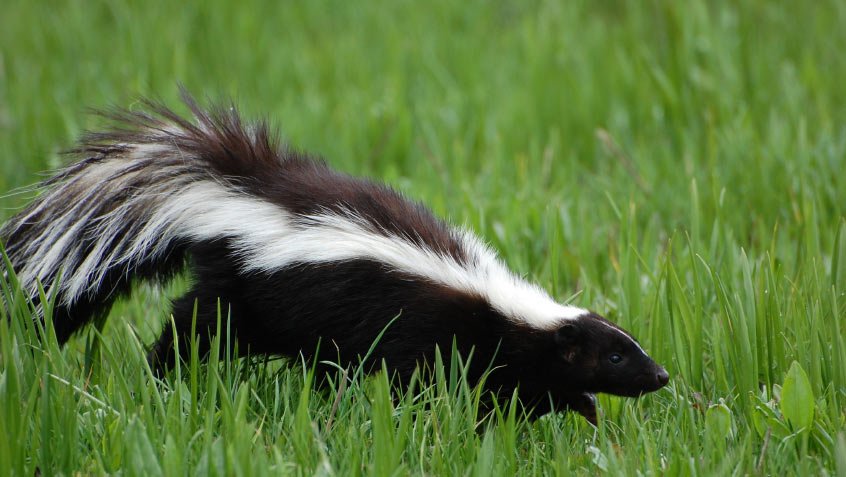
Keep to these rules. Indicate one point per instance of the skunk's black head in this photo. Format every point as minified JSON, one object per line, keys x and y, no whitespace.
{"x":596,"y":355}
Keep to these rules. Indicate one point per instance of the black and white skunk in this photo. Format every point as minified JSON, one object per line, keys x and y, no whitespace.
{"x":297,"y":254}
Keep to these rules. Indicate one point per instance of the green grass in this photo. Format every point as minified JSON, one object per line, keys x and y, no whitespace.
{"x":677,"y":166}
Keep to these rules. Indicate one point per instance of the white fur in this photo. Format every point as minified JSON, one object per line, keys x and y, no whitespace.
{"x":266,"y":237}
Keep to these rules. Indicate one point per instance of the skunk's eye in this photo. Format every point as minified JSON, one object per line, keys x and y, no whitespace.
{"x":615,"y":358}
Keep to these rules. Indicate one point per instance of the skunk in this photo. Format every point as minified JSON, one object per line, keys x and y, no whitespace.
{"x":302,"y":259}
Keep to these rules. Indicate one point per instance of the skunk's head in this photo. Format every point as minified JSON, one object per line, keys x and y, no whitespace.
{"x":595,"y":355}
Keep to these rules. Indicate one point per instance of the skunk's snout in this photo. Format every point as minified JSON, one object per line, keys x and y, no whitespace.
{"x":663,"y":377}
{"x":652,"y":380}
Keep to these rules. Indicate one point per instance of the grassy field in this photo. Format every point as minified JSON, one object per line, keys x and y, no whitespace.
{"x":677,"y":166}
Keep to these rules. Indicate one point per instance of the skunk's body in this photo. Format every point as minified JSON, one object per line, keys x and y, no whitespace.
{"x":296,"y":254}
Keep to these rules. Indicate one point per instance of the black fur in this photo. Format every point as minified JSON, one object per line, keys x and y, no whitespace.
{"x":344,"y":306}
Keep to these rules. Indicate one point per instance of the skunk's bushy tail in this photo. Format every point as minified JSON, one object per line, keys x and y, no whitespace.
{"x":143,"y":193}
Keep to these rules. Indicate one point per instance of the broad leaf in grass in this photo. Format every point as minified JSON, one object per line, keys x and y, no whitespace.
{"x":718,"y":421}
{"x":797,"y":398}
{"x":766,"y":420}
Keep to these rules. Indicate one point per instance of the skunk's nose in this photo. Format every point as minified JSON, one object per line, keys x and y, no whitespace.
{"x":663,"y":377}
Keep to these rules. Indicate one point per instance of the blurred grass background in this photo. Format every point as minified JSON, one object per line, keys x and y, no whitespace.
{"x":677,"y":166}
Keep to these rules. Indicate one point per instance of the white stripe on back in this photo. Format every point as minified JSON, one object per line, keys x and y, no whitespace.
{"x":265,"y":236}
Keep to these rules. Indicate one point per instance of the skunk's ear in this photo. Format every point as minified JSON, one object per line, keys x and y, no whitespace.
{"x":567,"y":334}
{"x":567,"y":340}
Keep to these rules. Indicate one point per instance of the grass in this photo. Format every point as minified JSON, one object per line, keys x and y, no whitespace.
{"x":675,"y":166}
